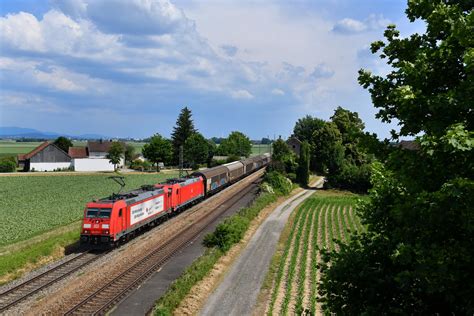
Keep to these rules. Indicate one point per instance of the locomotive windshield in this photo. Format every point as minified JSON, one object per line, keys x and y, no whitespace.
{"x":98,"y":212}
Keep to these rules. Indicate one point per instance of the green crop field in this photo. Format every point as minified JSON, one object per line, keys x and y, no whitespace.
{"x":316,"y":224}
{"x":33,"y":204}
{"x":9,"y":148}
{"x":260,"y":149}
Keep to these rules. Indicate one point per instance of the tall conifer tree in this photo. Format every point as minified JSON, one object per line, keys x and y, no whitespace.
{"x":182,"y":131}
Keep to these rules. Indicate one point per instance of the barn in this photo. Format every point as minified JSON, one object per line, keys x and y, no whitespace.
{"x":45,"y":157}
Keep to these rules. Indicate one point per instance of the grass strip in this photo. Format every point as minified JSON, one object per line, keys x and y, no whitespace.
{"x":293,"y":260}
{"x":12,"y":264}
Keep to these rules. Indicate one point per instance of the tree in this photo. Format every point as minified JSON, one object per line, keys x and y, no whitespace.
{"x":328,"y":151}
{"x":196,"y":150}
{"x":351,"y":128}
{"x":306,"y":126}
{"x":129,"y":151}
{"x":212,"y":151}
{"x":158,"y":150}
{"x":63,"y":143}
{"x":416,"y":256}
{"x":236,"y":144}
{"x":182,"y":131}
{"x":266,"y":141}
{"x":115,"y":153}
{"x":280,"y":150}
{"x":302,"y":174}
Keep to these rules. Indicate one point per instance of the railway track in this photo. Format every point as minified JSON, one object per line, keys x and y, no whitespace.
{"x":111,"y":293}
{"x":28,"y":288}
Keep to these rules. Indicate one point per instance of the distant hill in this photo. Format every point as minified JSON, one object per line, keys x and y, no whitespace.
{"x":20,"y":132}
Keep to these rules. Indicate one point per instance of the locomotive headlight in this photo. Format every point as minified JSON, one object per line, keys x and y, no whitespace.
{"x":87,"y":226}
{"x":105,"y":225}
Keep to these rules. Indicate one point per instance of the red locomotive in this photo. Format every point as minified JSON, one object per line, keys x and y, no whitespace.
{"x":119,"y":216}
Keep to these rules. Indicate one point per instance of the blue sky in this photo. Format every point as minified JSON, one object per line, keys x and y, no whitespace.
{"x":125,"y":68}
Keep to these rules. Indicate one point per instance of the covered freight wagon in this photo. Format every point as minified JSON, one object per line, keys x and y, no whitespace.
{"x":214,"y":178}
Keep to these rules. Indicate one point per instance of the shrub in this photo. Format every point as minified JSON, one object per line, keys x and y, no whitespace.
{"x":7,"y":166}
{"x":227,"y":233}
{"x":351,"y":177}
{"x":278,"y":182}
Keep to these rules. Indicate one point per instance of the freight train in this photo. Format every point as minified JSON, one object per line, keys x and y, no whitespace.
{"x":118,"y":217}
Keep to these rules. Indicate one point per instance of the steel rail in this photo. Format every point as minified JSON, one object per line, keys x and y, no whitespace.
{"x":26,"y":289}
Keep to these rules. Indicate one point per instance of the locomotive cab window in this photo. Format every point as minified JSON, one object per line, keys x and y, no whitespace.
{"x":92,"y":212}
{"x":120,"y":213}
{"x":105,"y":212}
{"x":96,"y":212}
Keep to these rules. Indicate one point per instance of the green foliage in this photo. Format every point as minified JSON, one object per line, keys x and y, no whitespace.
{"x":182,"y":131}
{"x":236,"y":144}
{"x":430,"y":86}
{"x":328,"y":149}
{"x":159,"y":149}
{"x":54,"y":200}
{"x":416,"y":255}
{"x":278,"y":182}
{"x":6,"y":165}
{"x":283,"y":159}
{"x":302,"y":175}
{"x":129,"y":152}
{"x":141,"y":165}
{"x":304,"y":130}
{"x":116,"y":153}
{"x":227,"y":233}
{"x":196,"y":150}
{"x":63,"y":143}
{"x":305,"y":127}
{"x":280,"y":150}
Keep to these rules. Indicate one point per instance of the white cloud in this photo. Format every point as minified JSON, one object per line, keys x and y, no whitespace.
{"x":278,"y":92}
{"x":241,"y":94}
{"x":352,"y":26}
{"x":22,"y":31}
{"x":136,"y":17}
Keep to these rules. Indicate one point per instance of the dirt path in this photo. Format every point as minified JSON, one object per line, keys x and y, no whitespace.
{"x":238,"y":292}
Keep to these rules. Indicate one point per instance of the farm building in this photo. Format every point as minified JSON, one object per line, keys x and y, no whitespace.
{"x":294,"y":144}
{"x":49,"y":157}
{"x":45,"y":157}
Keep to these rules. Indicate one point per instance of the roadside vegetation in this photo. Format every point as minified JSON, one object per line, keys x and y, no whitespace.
{"x":416,"y":256}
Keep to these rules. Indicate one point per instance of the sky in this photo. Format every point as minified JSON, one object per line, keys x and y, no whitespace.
{"x":125,"y":68}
